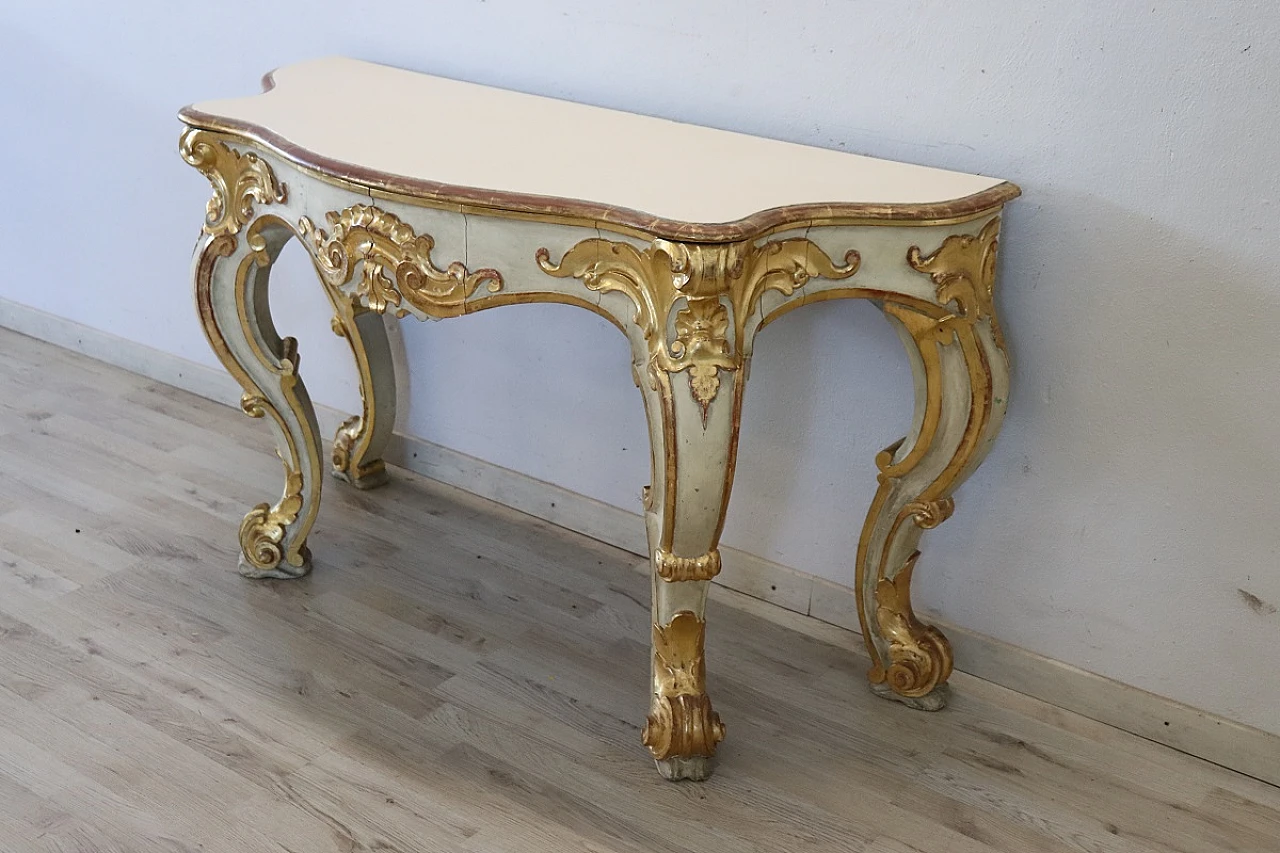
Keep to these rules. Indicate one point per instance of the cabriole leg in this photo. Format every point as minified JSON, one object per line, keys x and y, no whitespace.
{"x":693,"y":461}
{"x":709,"y":295}
{"x":231,"y":278}
{"x":361,"y":441}
{"x":961,"y":383}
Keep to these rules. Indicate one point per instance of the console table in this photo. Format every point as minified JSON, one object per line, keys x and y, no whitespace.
{"x":423,"y":197}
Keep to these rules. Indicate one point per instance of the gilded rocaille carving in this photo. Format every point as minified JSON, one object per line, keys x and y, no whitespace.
{"x":700,"y":341}
{"x":700,"y":292}
{"x":700,"y":568}
{"x":239,"y":181}
{"x":396,"y":263}
{"x":262,"y":529}
{"x":343,"y":441}
{"x":920,"y":656}
{"x":681,"y":721}
{"x":715,"y":288}
{"x":964,"y":270}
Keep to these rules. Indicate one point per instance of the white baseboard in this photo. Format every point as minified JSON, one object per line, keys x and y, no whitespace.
{"x":1214,"y":738}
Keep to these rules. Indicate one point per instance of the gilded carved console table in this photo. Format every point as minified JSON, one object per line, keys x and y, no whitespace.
{"x":424,"y":197}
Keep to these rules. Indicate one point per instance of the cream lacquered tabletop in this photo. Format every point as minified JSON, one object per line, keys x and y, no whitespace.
{"x":375,"y":123}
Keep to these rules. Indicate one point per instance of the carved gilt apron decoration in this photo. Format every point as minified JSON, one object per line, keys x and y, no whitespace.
{"x":717,"y":288}
{"x":379,"y":241}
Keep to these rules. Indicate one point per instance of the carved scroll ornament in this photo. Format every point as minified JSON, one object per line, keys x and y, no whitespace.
{"x":713,"y":289}
{"x":396,"y":266}
{"x":239,"y":181}
{"x":964,"y":270}
{"x":681,"y":722}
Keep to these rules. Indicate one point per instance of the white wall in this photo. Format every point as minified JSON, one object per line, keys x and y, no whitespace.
{"x":1130,"y":503}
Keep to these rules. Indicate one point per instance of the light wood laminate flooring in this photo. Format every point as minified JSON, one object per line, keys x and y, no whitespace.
{"x":456,"y":676}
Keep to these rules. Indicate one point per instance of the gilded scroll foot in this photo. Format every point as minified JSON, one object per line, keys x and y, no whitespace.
{"x":710,"y":296}
{"x":262,"y":532}
{"x":684,"y":511}
{"x":961,"y":376}
{"x":280,"y":571}
{"x":369,"y":475}
{"x":361,"y":441}
{"x":919,"y":655}
{"x":683,"y":725}
{"x":683,"y":730}
{"x":934,"y":700}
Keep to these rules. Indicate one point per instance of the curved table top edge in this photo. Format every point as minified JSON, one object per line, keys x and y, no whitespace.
{"x":589,"y":212}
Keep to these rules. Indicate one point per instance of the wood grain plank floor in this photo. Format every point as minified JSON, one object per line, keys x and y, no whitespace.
{"x":455,"y":676}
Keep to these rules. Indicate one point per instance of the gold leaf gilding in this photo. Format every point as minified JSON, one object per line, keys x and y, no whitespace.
{"x":396,"y":265}
{"x":681,"y":721}
{"x":717,"y":285}
{"x":919,"y":655}
{"x":239,"y":181}
{"x":673,"y":568}
{"x":963,"y":269}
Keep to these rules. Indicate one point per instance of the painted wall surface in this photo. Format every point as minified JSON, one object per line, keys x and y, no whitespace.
{"x":1126,"y":521}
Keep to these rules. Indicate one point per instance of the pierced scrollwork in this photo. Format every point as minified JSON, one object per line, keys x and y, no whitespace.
{"x":396,"y":265}
{"x":919,"y":655}
{"x":239,"y":181}
{"x":963,"y":269}
{"x":717,"y":287}
{"x":681,"y":721}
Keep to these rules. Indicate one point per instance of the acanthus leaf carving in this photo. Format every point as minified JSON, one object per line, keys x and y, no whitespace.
{"x":395,"y":261}
{"x":716,"y":286}
{"x":919,"y":654}
{"x":963,"y":270}
{"x":681,"y":721}
{"x":916,"y":657}
{"x":239,"y":181}
{"x":263,"y":527}
{"x":701,"y":327}
{"x":928,"y":514}
{"x":343,"y":441}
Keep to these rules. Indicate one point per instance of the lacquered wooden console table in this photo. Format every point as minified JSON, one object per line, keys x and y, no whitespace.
{"x":422,"y":197}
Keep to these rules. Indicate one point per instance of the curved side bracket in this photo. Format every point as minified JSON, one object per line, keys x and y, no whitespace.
{"x":961,"y":374}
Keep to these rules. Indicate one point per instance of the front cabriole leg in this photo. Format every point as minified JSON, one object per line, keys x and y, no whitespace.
{"x":961,"y":371}
{"x":230,"y":270}
{"x":695,"y":310}
{"x":693,"y":463}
